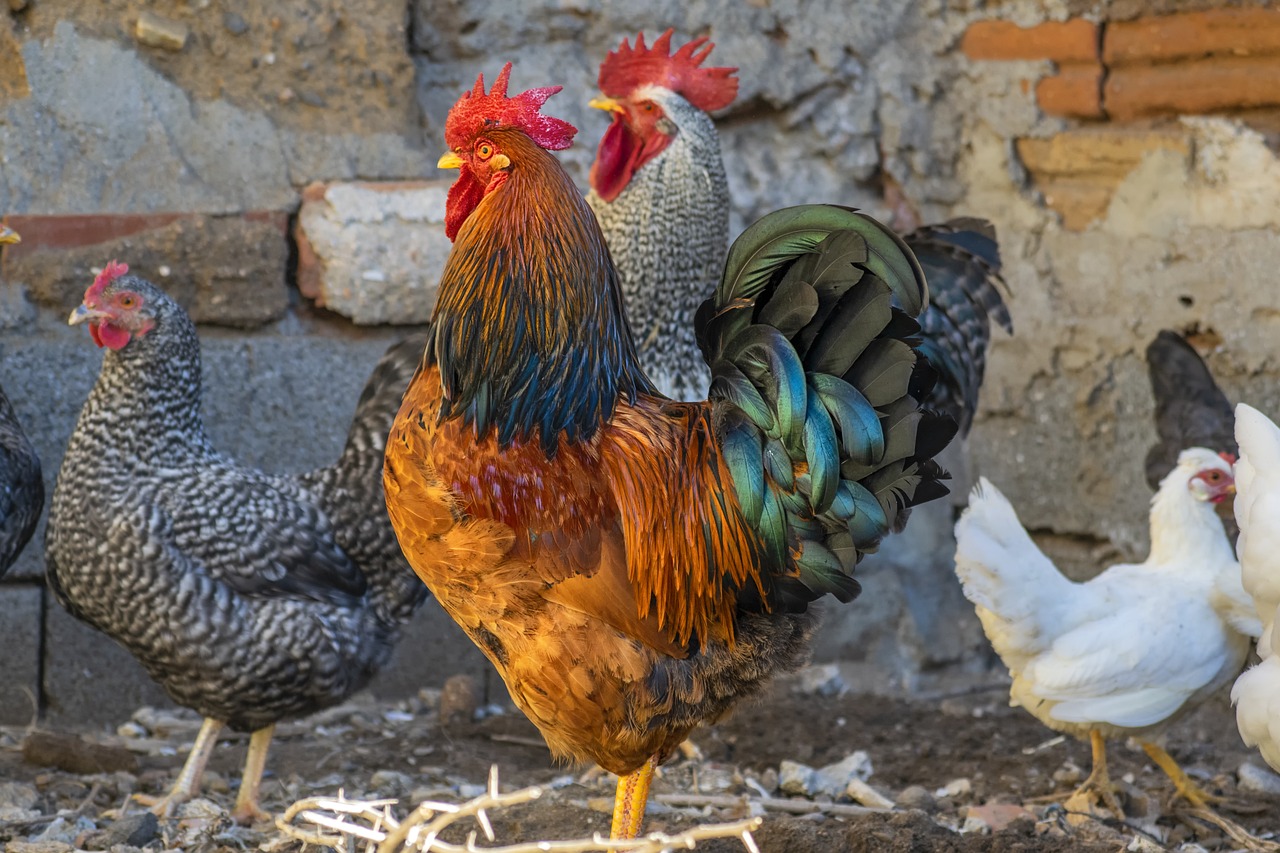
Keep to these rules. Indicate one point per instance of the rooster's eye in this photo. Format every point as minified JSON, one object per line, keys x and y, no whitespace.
{"x":484,"y":151}
{"x":128,"y":300}
{"x":648,"y":106}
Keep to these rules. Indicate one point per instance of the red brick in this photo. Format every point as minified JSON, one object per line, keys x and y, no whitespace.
{"x":1204,"y":86}
{"x":1232,"y":32}
{"x":1074,"y":92}
{"x":1070,"y":41}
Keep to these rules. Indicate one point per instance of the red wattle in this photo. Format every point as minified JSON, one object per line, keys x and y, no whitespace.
{"x":464,"y":195}
{"x":615,"y":160}
{"x":105,"y":334}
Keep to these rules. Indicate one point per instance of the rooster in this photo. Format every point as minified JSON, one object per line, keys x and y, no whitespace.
{"x":632,"y":566}
{"x":21,"y":482}
{"x":249,"y":597}
{"x":1256,"y":693}
{"x":1128,"y":651}
{"x":658,"y":187}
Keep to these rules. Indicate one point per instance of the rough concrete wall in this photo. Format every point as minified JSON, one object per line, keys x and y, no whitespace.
{"x":836,"y":104}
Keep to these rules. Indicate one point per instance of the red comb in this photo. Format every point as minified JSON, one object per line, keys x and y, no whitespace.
{"x":476,"y":111}
{"x":110,"y":273}
{"x":681,"y":72}
{"x":1229,"y":458}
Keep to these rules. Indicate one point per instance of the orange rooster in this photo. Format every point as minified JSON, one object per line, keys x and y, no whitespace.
{"x":632,"y":565}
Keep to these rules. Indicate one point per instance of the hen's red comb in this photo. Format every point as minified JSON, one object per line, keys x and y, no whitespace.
{"x":681,"y":72}
{"x":1229,"y":458}
{"x":476,"y":111}
{"x":110,"y":273}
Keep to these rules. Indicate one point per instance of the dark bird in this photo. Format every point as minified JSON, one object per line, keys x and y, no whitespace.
{"x":633,"y":566}
{"x":249,"y":597}
{"x":1191,"y":410}
{"x":21,"y":482}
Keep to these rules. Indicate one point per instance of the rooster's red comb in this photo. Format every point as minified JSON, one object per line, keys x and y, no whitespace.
{"x":706,"y":88}
{"x":476,"y":111}
{"x":1229,"y":458}
{"x":110,"y":273}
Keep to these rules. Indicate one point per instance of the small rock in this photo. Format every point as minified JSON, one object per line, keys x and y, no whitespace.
{"x":155,"y":31}
{"x":917,"y":797}
{"x":65,"y":830}
{"x":469,"y":791}
{"x":38,"y":847}
{"x":311,"y":99}
{"x":769,"y":779}
{"x":215,"y":782}
{"x":234,"y":24}
{"x":134,"y":830}
{"x":17,"y":795}
{"x":131,"y":730}
{"x":1068,"y":774}
{"x":862,"y":793}
{"x":1259,"y":779}
{"x":995,"y":816}
{"x":955,"y":788}
{"x":821,"y":680}
{"x":390,"y":782}
{"x":459,"y":699}
{"x":834,"y":778}
{"x":797,"y":779}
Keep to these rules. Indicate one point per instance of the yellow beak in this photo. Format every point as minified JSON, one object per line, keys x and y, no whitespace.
{"x":609,"y":105}
{"x":8,"y":235}
{"x":449,"y":160}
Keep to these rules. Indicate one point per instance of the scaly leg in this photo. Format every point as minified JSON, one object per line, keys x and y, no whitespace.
{"x":1098,"y":785}
{"x":246,"y":810}
{"x":628,"y":805}
{"x":1186,"y":787}
{"x":188,"y":784}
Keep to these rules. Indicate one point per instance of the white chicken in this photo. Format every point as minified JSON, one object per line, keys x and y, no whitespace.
{"x":1128,"y":651}
{"x":1256,"y":693}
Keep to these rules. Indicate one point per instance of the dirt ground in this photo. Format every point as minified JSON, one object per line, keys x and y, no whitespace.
{"x":945,"y":760}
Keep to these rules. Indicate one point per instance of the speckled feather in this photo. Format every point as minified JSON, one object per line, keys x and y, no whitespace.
{"x":21,"y":486}
{"x":1191,"y":410}
{"x":249,"y":597}
{"x":668,"y":232}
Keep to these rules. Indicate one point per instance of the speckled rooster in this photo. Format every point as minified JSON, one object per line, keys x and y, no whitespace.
{"x":659,"y":190}
{"x":249,"y":597}
{"x":21,"y":483}
{"x":631,"y":565}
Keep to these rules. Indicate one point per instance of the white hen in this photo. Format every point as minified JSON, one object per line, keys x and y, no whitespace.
{"x":1129,"y":650}
{"x":1256,"y":693}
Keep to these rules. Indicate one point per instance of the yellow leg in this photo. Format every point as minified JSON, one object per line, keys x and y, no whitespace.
{"x":246,"y":809}
{"x":188,"y":784}
{"x":628,"y":805}
{"x":1099,"y":782}
{"x":1187,"y":789}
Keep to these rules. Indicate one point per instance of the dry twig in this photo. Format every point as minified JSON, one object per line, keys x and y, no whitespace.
{"x":335,"y":821}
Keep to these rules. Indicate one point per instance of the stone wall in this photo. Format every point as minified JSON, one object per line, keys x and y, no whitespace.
{"x":273,"y":167}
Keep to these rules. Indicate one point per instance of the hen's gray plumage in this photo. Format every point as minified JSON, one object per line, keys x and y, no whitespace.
{"x":668,"y":232}
{"x":21,"y":486}
{"x":249,"y":597}
{"x":1191,"y":410}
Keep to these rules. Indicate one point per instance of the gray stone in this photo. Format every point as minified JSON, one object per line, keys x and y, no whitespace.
{"x":833,"y":779}
{"x":797,"y":779}
{"x":1259,"y":779}
{"x":134,"y":830}
{"x":234,"y":24}
{"x":156,"y":31}
{"x":374,"y":252}
{"x":20,"y":664}
{"x":916,"y":797}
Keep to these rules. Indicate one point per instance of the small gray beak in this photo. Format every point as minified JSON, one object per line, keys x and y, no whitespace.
{"x":85,"y":314}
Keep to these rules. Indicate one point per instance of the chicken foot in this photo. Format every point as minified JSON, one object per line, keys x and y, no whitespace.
{"x":188,"y":783}
{"x":1182,"y":783}
{"x":1098,"y":785}
{"x":247,"y":810}
{"x":630,"y":801}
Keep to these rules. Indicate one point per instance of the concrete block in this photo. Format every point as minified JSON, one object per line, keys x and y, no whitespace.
{"x":20,"y":625}
{"x":373,"y":252}
{"x":228,"y":270}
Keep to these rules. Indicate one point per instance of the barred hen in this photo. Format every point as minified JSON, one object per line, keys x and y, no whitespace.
{"x":659,"y":190}
{"x":1191,"y":410}
{"x":21,"y":482}
{"x":249,"y":597}
{"x":634,"y":566}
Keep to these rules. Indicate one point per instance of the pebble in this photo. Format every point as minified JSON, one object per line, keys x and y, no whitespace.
{"x":17,"y":795}
{"x":821,"y":680}
{"x":833,"y":778}
{"x":1068,"y":773}
{"x":797,"y":779}
{"x":134,"y":830}
{"x":392,"y":783}
{"x":234,"y":24}
{"x":459,"y":699}
{"x":469,"y":791}
{"x":955,"y":788}
{"x":155,"y":31}
{"x":769,"y":779}
{"x":65,"y":830}
{"x":1259,"y":779}
{"x":862,"y":793}
{"x":917,"y":797}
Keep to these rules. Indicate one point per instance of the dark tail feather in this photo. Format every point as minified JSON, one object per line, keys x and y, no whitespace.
{"x":1191,"y":410}
{"x":376,"y":410}
{"x":961,"y":261}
